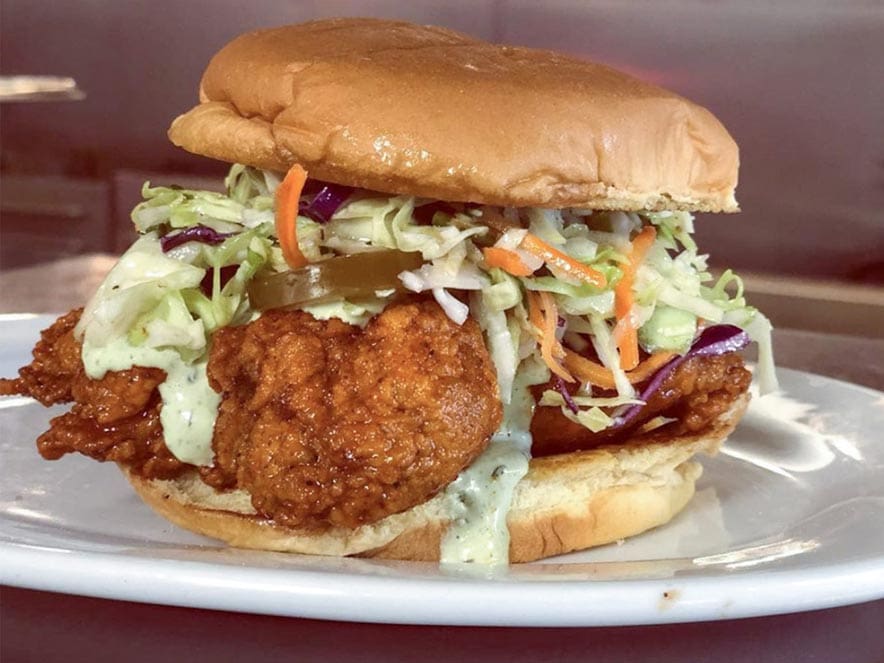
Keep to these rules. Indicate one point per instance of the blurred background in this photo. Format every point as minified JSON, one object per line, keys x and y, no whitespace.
{"x":800,"y":85}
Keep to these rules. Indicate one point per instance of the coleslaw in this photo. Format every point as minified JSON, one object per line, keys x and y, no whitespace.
{"x":541,"y":283}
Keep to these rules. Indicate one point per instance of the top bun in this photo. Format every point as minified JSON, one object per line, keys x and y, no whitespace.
{"x":420,"y":110}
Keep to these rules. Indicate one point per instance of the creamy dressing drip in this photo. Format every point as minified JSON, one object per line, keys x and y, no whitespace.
{"x":479,"y":500}
{"x":190,"y":405}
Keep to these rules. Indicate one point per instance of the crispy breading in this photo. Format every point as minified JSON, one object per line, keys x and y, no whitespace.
{"x":115,"y":418}
{"x":695,"y":394}
{"x":339,"y":426}
{"x":49,"y":377}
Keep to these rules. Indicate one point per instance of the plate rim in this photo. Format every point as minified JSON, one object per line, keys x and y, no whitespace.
{"x":329,"y":595}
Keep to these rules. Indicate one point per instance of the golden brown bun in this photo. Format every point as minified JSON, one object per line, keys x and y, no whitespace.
{"x":403,"y":108}
{"x":564,"y":503}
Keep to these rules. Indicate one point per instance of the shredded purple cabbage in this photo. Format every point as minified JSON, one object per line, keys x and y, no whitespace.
{"x":326,"y":202}
{"x":227,"y":273}
{"x":198,"y":233}
{"x":713,"y":341}
{"x":563,"y":390}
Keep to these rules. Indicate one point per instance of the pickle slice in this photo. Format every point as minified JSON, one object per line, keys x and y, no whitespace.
{"x":353,"y":276}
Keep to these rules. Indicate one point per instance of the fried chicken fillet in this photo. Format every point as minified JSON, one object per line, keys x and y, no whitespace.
{"x":321,"y":422}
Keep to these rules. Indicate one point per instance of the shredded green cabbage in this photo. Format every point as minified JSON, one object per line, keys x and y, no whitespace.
{"x":161,"y":300}
{"x":554,"y":398}
{"x":138,"y":282}
{"x":594,"y":418}
{"x":503,"y":293}
{"x":502,"y":347}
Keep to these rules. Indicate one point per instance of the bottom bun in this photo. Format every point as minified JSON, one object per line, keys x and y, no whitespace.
{"x":565,"y":503}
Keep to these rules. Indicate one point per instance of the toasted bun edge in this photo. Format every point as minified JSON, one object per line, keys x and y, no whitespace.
{"x":565,"y":503}
{"x":410,"y":109}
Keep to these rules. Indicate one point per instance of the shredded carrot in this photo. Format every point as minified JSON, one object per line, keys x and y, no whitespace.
{"x":627,"y":338}
{"x":649,"y":366}
{"x":626,"y":333}
{"x":589,"y":371}
{"x":643,"y":243}
{"x":562,"y":261}
{"x":535,"y":317}
{"x":551,"y":322}
{"x":586,"y":370}
{"x":508,"y":261}
{"x":288,"y":195}
{"x":543,"y":314}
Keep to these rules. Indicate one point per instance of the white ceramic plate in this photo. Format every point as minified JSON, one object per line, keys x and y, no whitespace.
{"x":789,"y":517}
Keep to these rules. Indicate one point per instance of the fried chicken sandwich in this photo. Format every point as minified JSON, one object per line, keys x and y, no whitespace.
{"x":449,"y":306}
